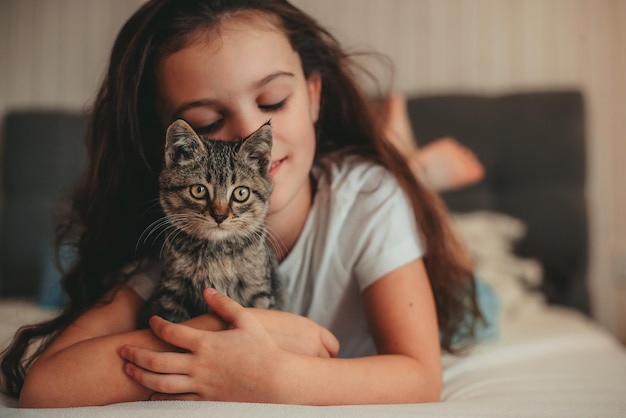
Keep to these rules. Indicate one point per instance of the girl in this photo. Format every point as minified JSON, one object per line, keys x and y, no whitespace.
{"x":370,"y":262}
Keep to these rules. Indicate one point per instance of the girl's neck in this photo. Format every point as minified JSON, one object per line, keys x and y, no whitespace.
{"x":286,"y":225}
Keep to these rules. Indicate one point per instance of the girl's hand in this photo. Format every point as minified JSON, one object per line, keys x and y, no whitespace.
{"x":235,"y":364}
{"x":297,"y":334}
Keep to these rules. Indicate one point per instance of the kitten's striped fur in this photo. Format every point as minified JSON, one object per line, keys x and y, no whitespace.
{"x":215,"y":196}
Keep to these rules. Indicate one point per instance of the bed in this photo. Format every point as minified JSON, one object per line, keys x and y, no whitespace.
{"x":525,"y":224}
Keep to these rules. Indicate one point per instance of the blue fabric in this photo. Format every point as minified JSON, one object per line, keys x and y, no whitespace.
{"x":490,"y":307}
{"x":50,"y":294}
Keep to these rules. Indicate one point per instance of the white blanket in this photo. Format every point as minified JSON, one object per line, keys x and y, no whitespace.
{"x":547,"y":362}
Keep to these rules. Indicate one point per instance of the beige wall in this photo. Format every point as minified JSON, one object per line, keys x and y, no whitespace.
{"x":53,"y":53}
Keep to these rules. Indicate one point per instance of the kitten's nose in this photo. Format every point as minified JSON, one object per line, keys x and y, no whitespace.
{"x":219,"y":218}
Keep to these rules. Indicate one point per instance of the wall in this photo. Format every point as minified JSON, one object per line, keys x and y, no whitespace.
{"x":54,"y":52}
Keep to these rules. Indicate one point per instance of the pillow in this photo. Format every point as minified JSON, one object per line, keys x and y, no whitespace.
{"x":490,"y":238}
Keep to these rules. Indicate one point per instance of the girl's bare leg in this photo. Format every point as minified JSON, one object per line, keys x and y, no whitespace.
{"x":443,"y":164}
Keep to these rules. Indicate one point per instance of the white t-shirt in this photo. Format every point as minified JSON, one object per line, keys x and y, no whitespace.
{"x":360,"y":227}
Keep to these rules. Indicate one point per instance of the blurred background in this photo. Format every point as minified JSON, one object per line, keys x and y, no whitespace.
{"x":53,"y":54}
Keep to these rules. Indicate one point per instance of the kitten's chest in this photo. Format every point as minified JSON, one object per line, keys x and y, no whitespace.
{"x":210,"y":265}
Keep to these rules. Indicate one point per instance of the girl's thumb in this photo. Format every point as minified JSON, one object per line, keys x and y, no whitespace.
{"x":226,"y":308}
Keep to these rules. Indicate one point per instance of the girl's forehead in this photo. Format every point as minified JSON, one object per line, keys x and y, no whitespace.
{"x":242,"y":33}
{"x":240,"y":44}
{"x":249,"y":22}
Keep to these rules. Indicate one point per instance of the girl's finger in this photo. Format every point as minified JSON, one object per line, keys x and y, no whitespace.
{"x":330,"y":344}
{"x":162,"y":383}
{"x":178,"y":335}
{"x":226,"y":308}
{"x":157,"y":362}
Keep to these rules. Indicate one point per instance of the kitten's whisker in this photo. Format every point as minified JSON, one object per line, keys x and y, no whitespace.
{"x":254,"y":237}
{"x":149,"y":230}
{"x":159,"y":226}
{"x":154,"y":203}
{"x":277,"y":244}
{"x":172,"y":233}
{"x":155,"y":226}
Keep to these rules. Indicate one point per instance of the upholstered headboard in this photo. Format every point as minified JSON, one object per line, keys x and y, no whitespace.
{"x":533,"y":148}
{"x":40,"y":160}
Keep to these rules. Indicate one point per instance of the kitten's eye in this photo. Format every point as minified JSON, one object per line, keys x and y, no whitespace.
{"x":241,"y":194}
{"x":198,"y":191}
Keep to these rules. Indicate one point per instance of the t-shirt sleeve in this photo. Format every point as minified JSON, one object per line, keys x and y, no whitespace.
{"x":381,"y":232}
{"x":144,"y":278}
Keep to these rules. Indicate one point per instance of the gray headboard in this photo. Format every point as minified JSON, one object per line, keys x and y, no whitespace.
{"x":533,"y":148}
{"x":40,"y":160}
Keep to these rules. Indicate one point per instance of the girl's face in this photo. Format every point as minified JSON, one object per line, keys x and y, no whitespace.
{"x":228,"y":82}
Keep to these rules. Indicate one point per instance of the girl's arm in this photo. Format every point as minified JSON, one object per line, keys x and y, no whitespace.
{"x":83,"y":366}
{"x":244,"y":363}
{"x":407,"y":369}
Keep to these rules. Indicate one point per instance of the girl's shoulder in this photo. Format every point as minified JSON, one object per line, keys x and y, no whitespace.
{"x":352,"y":173}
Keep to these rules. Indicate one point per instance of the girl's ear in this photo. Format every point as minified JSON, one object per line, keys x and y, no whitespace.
{"x":257,"y":148}
{"x":181,"y":143}
{"x":314,"y":88}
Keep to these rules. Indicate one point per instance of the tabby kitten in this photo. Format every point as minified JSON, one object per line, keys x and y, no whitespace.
{"x":215,"y":196}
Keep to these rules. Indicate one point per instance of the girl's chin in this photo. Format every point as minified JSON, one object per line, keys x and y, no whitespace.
{"x":278,"y":202}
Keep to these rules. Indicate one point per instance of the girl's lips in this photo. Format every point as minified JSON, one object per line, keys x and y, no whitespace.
{"x":276,"y":165}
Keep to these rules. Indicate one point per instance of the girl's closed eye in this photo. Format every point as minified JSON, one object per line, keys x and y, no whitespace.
{"x":216,"y":125}
{"x":210,"y":128}
{"x":273,"y":107}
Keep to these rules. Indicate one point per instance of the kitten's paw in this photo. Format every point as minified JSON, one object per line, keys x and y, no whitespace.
{"x":143,"y":320}
{"x":176,"y":316}
{"x":267,"y":302}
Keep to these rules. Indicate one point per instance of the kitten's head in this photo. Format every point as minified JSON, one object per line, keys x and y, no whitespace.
{"x":216,"y":190}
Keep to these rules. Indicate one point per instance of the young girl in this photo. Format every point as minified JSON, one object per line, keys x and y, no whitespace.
{"x":376,"y":282}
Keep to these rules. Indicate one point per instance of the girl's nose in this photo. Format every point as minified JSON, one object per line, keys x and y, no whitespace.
{"x":243,"y":125}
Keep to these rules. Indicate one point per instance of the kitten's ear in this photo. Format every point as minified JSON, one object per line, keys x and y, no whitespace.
{"x":181,"y":143}
{"x":257,"y":147}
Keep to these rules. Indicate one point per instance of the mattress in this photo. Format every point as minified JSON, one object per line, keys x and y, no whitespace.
{"x":547,"y":361}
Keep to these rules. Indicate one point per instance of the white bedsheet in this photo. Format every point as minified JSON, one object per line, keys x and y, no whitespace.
{"x":547,"y":362}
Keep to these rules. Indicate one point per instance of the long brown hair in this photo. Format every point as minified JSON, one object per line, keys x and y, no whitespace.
{"x":117,"y":195}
